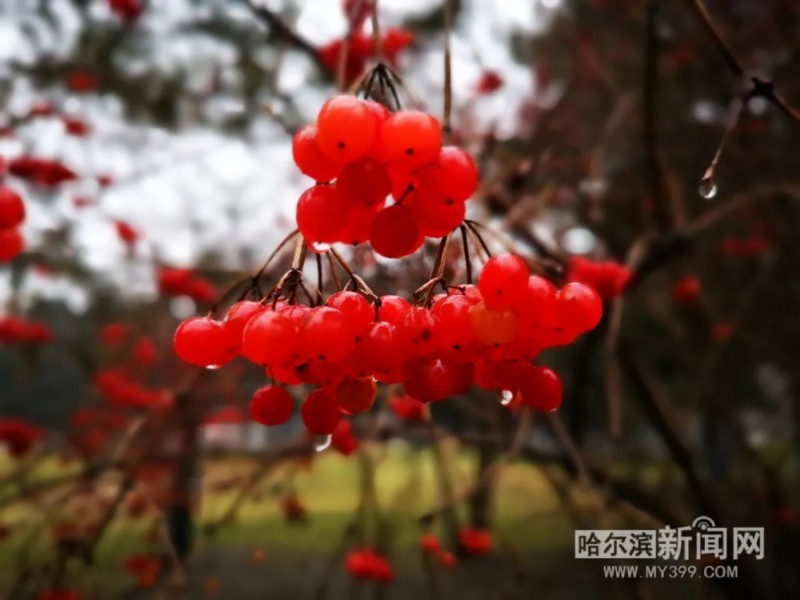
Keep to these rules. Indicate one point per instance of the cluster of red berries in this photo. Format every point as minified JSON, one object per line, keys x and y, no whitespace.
{"x":44,"y":172}
{"x":120,"y":389}
{"x":12,"y":215}
{"x":360,"y":154}
{"x":145,"y":568}
{"x":367,"y":565}
{"x":361,"y":49}
{"x":487,"y":335}
{"x":431,"y":545}
{"x":185,"y":282}
{"x":753,"y":245}
{"x":607,"y":277}
{"x":16,"y":330}
{"x":118,"y":335}
{"x":686,"y":290}
{"x":474,"y":541}
{"x":93,"y":427}
{"x":126,"y":9}
{"x":18,"y":436}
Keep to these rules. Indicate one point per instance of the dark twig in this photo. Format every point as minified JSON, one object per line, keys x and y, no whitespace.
{"x":282,"y":30}
{"x":653,"y":167}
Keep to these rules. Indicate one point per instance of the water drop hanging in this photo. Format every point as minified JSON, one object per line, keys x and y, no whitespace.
{"x":320,"y":248}
{"x":708,"y":188}
{"x":322,"y":442}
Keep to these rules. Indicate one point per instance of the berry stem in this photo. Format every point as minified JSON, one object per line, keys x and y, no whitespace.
{"x":274,"y":253}
{"x":472,"y":227}
{"x":448,"y":68}
{"x":334,"y":275}
{"x":360,"y":283}
{"x":300,"y":253}
{"x":467,"y":259}
{"x":377,"y":41}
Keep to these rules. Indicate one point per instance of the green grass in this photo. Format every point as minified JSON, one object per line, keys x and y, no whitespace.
{"x":526,"y":511}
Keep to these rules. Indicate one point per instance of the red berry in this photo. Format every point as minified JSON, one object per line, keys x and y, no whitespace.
{"x":271,"y":405}
{"x":12,"y":210}
{"x":503,"y":281}
{"x":375,"y":351}
{"x":395,"y":232}
{"x":320,"y":412}
{"x":269,"y":339}
{"x":493,"y":327}
{"x":203,"y":342}
{"x":237,"y":318}
{"x":430,"y":543}
{"x":578,"y":307}
{"x":452,"y":178}
{"x":310,"y":158}
{"x":11,"y":244}
{"x":475,"y":542}
{"x":541,"y":389}
{"x":407,"y":408}
{"x":393,"y":309}
{"x":325,"y":335}
{"x":411,"y":137}
{"x":436,"y":219}
{"x":321,"y":215}
{"x":432,"y":379}
{"x":415,"y":333}
{"x":356,"y":395}
{"x":285,"y":374}
{"x":686,"y":290}
{"x":364,"y":182}
{"x":346,"y":128}
{"x":452,"y":320}
{"x":358,"y":313}
{"x":359,"y":223}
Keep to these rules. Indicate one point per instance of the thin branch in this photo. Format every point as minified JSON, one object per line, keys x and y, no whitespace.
{"x":653,"y":168}
{"x":284,"y":31}
{"x":448,"y":69}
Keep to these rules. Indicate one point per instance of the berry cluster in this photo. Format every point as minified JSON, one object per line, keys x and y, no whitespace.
{"x":12,"y":215}
{"x":607,"y":277}
{"x":431,"y":545}
{"x":360,"y":154}
{"x":360,"y":48}
{"x":486,"y":335}
{"x":16,"y":330}
{"x":367,"y":565}
{"x":126,"y":9}
{"x":120,"y":389}
{"x":185,"y":282}
{"x":18,"y":436}
{"x":44,"y":172}
{"x":686,"y":290}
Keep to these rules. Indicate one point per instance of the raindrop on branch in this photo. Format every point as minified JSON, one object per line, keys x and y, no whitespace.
{"x":708,"y":188}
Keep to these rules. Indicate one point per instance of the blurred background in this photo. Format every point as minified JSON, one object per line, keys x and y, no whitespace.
{"x":648,"y":148}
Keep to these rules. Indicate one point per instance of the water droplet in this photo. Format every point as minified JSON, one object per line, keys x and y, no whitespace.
{"x":708,"y":188}
{"x":506,"y":396}
{"x":320,"y":247}
{"x":322,"y":442}
{"x":213,"y":367}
